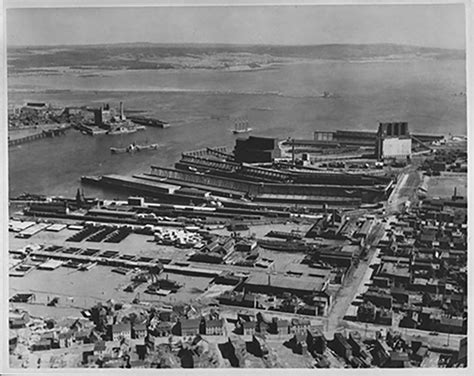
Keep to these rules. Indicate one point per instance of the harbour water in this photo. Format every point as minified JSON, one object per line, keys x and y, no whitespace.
{"x":201,"y":106}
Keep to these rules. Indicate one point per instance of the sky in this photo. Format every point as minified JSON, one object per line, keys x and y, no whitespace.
{"x":421,"y":25}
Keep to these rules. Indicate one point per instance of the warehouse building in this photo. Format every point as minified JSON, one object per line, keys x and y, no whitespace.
{"x":278,"y":284}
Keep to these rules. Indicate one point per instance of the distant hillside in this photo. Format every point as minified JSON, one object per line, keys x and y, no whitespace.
{"x":161,"y":56}
{"x":357,"y":51}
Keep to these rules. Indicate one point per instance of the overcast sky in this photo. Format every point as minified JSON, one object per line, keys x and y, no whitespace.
{"x":422,"y":25}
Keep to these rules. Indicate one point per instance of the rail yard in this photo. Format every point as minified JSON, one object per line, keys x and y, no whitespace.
{"x":342,"y":251}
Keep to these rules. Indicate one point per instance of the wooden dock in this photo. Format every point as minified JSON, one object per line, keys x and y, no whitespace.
{"x":35,"y":135}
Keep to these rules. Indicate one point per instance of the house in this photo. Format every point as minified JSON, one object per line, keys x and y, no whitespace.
{"x":300,"y":325}
{"x":111,"y":363}
{"x":399,"y":275}
{"x":214,"y":327}
{"x":279,"y":326}
{"x":316,"y":341}
{"x":249,"y":328}
{"x":366,"y":312}
{"x":461,"y":359}
{"x":398,"y":360}
{"x":122,"y":330}
{"x":263,"y":327}
{"x":452,"y":325}
{"x":189,"y":327}
{"x":23,"y":298}
{"x":379,"y":298}
{"x":100,"y":348}
{"x":17,"y":319}
{"x":82,"y":336}
{"x":408,"y":322}
{"x":380,"y":352}
{"x":341,"y":347}
{"x":165,"y":315}
{"x":65,"y":339}
{"x":162,"y":329}
{"x":139,"y":331}
{"x":383,"y":316}
{"x":81,"y":324}
{"x":16,"y":322}
{"x":141,"y":350}
{"x":43,"y":344}
{"x":52,"y":338}
{"x":153,"y":341}
{"x":420,"y":354}
{"x":400,"y":295}
{"x":298,"y":343}
{"x":359,"y":349}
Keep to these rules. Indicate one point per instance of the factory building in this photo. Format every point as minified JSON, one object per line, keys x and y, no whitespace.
{"x":256,"y":149}
{"x":105,"y":114}
{"x":393,"y":141}
{"x":278,"y":284}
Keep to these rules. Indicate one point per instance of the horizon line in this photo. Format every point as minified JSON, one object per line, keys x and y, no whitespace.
{"x":230,"y":44}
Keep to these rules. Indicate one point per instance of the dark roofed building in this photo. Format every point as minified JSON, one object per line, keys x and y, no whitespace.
{"x":122,"y":330}
{"x":279,"y":284}
{"x":214,"y":327}
{"x":139,"y":330}
{"x":341,"y":347}
{"x":190,"y":327}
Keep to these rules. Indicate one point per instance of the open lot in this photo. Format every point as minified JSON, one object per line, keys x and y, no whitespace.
{"x":79,"y":289}
{"x":443,"y":186}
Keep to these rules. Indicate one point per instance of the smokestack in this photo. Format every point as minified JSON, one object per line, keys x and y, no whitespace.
{"x":122,"y":116}
{"x":98,"y":116}
{"x":293,"y":151}
{"x":455,"y":193}
{"x":269,"y":281}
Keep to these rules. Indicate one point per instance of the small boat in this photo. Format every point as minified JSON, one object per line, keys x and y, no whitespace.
{"x":121,"y":130}
{"x":327,"y":94}
{"x":132,"y":148}
{"x":146,"y":147}
{"x":242,"y":127}
{"x":118,"y":150}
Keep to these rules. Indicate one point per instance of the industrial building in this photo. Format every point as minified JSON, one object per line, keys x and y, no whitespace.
{"x":393,"y":141}
{"x":105,"y":114}
{"x":279,"y":284}
{"x":256,"y":149}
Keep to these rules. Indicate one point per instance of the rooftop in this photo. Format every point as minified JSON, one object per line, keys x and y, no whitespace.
{"x":303,"y":283}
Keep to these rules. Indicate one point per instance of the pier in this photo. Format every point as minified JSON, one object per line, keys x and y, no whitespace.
{"x":17,"y":137}
{"x":142,"y":120}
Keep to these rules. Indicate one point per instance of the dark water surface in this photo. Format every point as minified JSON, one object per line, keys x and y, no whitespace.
{"x":201,"y":106}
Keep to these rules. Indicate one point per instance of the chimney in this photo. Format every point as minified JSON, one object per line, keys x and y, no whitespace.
{"x":455,"y":193}
{"x":269,"y":281}
{"x":122,"y":116}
